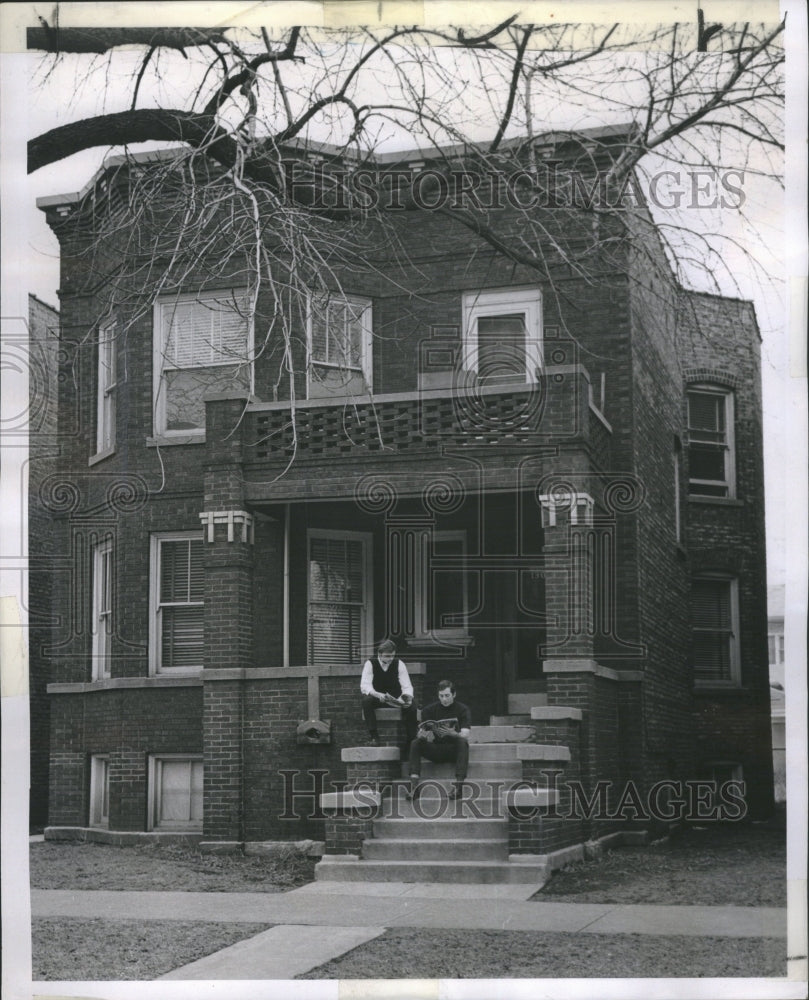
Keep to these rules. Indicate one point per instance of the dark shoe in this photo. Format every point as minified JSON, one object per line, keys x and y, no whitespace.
{"x":456,"y":792}
{"x":413,"y":792}
{"x":373,"y":741}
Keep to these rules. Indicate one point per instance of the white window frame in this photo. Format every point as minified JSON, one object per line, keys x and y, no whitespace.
{"x":729,"y":482}
{"x":103,"y":585}
{"x":238,"y":296}
{"x":107,"y":371}
{"x":155,"y":777}
{"x":155,"y":618}
{"x":365,"y":367}
{"x":367,"y":538}
{"x":734,"y":680}
{"x":423,"y":592}
{"x":499,"y":302}
{"x":778,"y":648}
{"x":100,"y":790}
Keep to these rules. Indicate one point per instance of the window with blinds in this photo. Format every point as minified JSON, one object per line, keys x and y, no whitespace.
{"x":202,"y":344}
{"x":175,"y":792}
{"x":715,"y":631}
{"x":340,"y":342}
{"x":710,"y":442}
{"x":102,"y":607}
{"x":339,"y":597}
{"x":177,"y":584}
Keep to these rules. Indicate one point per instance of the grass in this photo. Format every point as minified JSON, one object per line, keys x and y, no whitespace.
{"x":72,"y":865}
{"x":733,"y":864}
{"x":126,"y":949}
{"x":406,"y":953}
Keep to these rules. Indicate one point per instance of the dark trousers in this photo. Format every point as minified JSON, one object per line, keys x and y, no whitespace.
{"x":454,"y":750}
{"x":371,"y":704}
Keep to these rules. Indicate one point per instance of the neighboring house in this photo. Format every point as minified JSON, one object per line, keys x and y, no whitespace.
{"x":43,"y":361}
{"x":775,"y":644}
{"x":549,"y":490}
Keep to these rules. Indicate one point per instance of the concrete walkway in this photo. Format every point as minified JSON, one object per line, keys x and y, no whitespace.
{"x":343,"y":915}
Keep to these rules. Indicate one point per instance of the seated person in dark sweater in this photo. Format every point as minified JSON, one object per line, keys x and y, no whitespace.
{"x":443,"y":736}
{"x":385,"y":682}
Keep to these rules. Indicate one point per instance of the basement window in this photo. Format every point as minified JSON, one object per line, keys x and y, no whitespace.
{"x":175,"y":792}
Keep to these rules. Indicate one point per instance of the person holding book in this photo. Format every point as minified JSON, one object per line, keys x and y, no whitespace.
{"x":386,"y":683}
{"x":442,"y":736}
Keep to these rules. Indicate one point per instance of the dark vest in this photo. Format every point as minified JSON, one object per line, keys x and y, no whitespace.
{"x":387,"y":681}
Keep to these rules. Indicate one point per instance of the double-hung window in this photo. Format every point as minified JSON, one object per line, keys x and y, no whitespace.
{"x":502,"y":335}
{"x":203,"y":344}
{"x":107,"y":384}
{"x":715,"y":631}
{"x":339,"y":605}
{"x":175,"y":792}
{"x":177,"y":580}
{"x":711,"y":460}
{"x":340,"y":346}
{"x":101,"y":629}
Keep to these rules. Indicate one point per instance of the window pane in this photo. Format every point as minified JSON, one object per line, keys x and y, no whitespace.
{"x":501,"y":348}
{"x":185,"y":391}
{"x":706,"y":412}
{"x":175,"y":791}
{"x":712,"y":623}
{"x":182,"y":636}
{"x":334,"y":633}
{"x":707,"y":462}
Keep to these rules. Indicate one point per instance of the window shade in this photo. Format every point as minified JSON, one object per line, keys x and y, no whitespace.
{"x":336,"y":599}
{"x":712,"y":622}
{"x":204,"y":332}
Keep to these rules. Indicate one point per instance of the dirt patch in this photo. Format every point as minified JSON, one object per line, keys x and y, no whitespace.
{"x":126,"y":949}
{"x":171,"y":867}
{"x":405,"y":953}
{"x":731,"y":864}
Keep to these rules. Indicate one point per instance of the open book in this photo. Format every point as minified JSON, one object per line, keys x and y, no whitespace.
{"x":435,"y":726}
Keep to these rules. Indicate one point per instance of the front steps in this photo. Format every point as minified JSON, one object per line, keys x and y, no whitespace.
{"x":435,"y":839}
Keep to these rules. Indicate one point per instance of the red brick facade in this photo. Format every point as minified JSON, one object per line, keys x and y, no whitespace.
{"x":604,"y":583}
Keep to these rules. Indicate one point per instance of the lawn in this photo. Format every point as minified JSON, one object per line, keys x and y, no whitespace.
{"x":73,"y":865}
{"x":406,"y":953}
{"x":126,"y":949}
{"x":733,"y":864}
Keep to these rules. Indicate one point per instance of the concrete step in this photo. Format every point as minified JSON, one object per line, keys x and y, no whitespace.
{"x":524,"y":702}
{"x":477,"y":769}
{"x":510,"y":720}
{"x":435,"y":849}
{"x":501,"y":734}
{"x":337,"y":868}
{"x":481,"y":801}
{"x":441,"y":829}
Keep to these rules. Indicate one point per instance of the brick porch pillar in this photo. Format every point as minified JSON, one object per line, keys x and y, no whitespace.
{"x":227,"y":530}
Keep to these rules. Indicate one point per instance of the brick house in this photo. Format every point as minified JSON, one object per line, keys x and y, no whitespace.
{"x":547,"y":489}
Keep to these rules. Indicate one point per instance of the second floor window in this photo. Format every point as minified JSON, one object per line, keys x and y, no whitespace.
{"x":202,"y":345}
{"x":502,"y":332}
{"x":107,"y":384}
{"x":711,"y":461}
{"x":340,"y":344}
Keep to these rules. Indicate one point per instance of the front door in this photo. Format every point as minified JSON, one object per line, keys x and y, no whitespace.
{"x":520,"y":602}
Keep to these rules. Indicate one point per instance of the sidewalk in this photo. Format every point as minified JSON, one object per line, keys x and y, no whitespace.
{"x":344,"y":915}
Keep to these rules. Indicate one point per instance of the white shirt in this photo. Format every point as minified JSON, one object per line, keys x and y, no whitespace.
{"x":367,"y":680}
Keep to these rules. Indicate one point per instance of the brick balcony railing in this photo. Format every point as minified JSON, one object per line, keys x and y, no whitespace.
{"x":555,"y":409}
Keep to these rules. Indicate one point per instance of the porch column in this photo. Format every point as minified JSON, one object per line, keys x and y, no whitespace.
{"x":406,"y":540}
{"x":227,"y":530}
